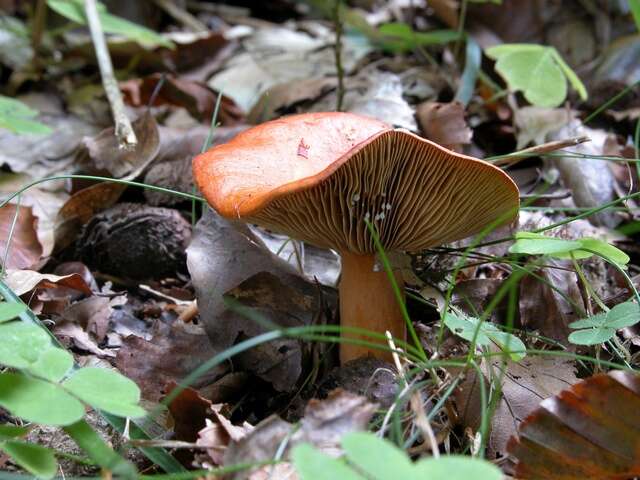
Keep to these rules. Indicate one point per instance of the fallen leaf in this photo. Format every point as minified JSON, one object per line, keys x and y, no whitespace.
{"x":25,"y":281}
{"x":323,"y":425}
{"x":103,"y":153}
{"x":444,"y":123}
{"x":25,"y":249}
{"x":72,"y":334}
{"x":218,"y":433}
{"x":173,"y":352}
{"x":196,"y":97}
{"x":79,"y":209}
{"x":587,"y":431}
{"x":93,"y":314}
{"x":525,"y":384}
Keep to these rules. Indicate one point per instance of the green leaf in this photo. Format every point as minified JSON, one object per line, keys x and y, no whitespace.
{"x":536,"y":70}
{"x":37,"y":460}
{"x":488,"y":333}
{"x":21,"y":344}
{"x":537,"y":244}
{"x":15,"y":116}
{"x":74,"y":11}
{"x":399,"y":37}
{"x":456,"y":467}
{"x":623,"y":315}
{"x":591,"y":336}
{"x":379,"y":459}
{"x":53,"y":364}
{"x":603,"y":326}
{"x":532,"y":243}
{"x":38,"y":401}
{"x":106,"y":390}
{"x":12,"y":431}
{"x":634,"y":6}
{"x":311,"y":464}
{"x":9,"y":311}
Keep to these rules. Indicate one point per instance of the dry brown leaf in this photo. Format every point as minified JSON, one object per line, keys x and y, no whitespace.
{"x":79,"y":209}
{"x":102,"y":152}
{"x":587,"y":431}
{"x":525,"y":385}
{"x":444,"y":123}
{"x":218,"y":433}
{"x":25,"y":281}
{"x":196,"y":97}
{"x":93,"y":314}
{"x":25,"y":249}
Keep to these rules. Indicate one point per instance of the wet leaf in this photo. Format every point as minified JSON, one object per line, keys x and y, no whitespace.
{"x":587,"y":431}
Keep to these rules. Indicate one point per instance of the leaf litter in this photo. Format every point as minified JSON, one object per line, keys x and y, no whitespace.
{"x":120,"y":277}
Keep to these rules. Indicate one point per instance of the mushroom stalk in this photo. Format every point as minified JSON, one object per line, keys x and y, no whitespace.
{"x":367,"y":301}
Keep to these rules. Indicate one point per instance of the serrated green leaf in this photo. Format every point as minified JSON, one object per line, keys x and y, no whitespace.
{"x":9,"y":311}
{"x":16,"y":117}
{"x":53,"y":364}
{"x":591,"y":336}
{"x":37,"y":460}
{"x":456,"y":467}
{"x":21,"y":344}
{"x":12,"y":431}
{"x":311,"y":464}
{"x":379,"y":459}
{"x":106,"y":390}
{"x":38,"y":401}
{"x":538,"y":71}
{"x":74,"y":11}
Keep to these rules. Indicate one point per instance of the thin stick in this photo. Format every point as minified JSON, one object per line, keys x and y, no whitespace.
{"x":548,"y":147}
{"x":124,"y":131}
{"x":183,"y":16}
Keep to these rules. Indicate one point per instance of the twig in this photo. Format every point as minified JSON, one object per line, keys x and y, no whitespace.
{"x":184,"y":17}
{"x":124,"y":131}
{"x":338,"y":51}
{"x":548,"y":147}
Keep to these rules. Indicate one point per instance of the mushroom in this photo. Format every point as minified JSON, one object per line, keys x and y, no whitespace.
{"x":318,"y":176}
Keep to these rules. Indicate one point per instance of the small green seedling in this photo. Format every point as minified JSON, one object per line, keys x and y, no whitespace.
{"x":74,"y":11}
{"x":44,"y":388}
{"x":538,"y":71}
{"x":367,"y":457}
{"x":531,"y":243}
{"x":485,"y":334}
{"x":18,"y":117}
{"x":602,"y":327}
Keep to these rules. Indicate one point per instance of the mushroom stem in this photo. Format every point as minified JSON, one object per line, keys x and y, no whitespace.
{"x":367,"y":301}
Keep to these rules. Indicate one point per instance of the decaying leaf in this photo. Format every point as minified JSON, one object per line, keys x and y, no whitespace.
{"x":102,"y":152}
{"x":524,"y":385}
{"x":218,"y":433}
{"x":25,"y":281}
{"x":173,"y":352}
{"x":25,"y":249}
{"x":587,"y":431}
{"x":93,"y":314}
{"x":323,"y":425}
{"x":444,"y":123}
{"x":196,"y":97}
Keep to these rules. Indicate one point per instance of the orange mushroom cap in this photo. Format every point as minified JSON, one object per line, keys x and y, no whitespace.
{"x":317,"y":176}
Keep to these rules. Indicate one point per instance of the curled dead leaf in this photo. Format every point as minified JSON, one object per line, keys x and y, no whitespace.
{"x":25,"y":249}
